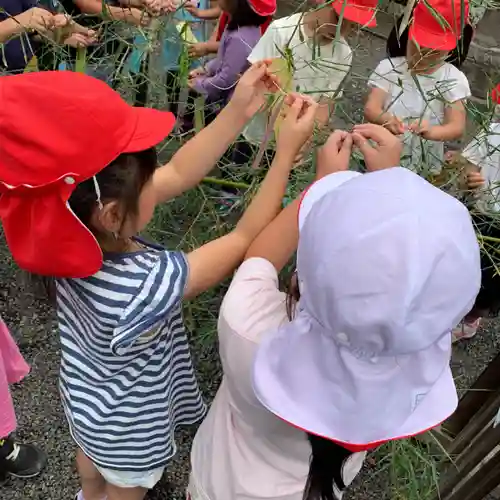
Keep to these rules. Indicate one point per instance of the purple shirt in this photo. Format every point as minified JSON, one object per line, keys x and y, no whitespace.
{"x":223,"y":72}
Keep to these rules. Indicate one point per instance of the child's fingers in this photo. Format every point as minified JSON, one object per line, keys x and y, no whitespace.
{"x":376,"y":133}
{"x":308,"y":110}
{"x":362,"y":143}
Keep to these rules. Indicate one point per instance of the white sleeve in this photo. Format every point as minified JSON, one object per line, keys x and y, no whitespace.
{"x":266,"y":46}
{"x":459,"y":90}
{"x":476,"y":152}
{"x":383,"y":76}
{"x":254,"y":301}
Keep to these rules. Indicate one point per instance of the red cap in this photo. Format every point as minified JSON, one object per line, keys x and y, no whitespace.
{"x":438,"y":24}
{"x":263,"y":7}
{"x":495,"y":95}
{"x":58,"y":129}
{"x":358,"y":11}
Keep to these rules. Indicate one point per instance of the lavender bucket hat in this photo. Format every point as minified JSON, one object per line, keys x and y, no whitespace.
{"x":387,"y":266}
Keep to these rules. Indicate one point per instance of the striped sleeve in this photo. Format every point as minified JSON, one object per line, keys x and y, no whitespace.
{"x":159,"y":296}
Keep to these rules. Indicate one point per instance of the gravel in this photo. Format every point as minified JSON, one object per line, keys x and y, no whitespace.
{"x":40,"y":416}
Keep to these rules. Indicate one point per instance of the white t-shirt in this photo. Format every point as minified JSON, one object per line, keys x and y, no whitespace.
{"x":241,"y":450}
{"x":419,"y":97}
{"x":484,"y":152}
{"x":319,"y":70}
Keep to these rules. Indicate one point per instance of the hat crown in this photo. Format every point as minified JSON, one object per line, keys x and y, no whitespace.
{"x":440,"y":16}
{"x":387,"y":263}
{"x":58,"y":123}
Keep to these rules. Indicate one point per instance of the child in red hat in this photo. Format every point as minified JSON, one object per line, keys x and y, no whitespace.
{"x":79,"y":179}
{"x":421,"y":96}
{"x":320,"y":60}
{"x":217,"y":79}
{"x":480,"y":162}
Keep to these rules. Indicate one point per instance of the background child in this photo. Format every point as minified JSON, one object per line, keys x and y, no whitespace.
{"x":216,"y":80}
{"x":422,"y":96}
{"x":320,"y":77}
{"x":397,"y":44}
{"x":126,"y":378}
{"x":480,"y":161}
{"x":16,"y":459}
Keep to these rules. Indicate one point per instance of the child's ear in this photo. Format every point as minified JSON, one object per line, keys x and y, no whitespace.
{"x":109,"y":218}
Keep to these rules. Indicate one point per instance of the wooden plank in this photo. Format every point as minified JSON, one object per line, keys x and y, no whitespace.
{"x":476,"y":424}
{"x":480,"y":484}
{"x":472,"y":456}
{"x":475,"y":398}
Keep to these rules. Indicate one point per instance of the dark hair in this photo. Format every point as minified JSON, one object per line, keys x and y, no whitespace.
{"x":243,"y":15}
{"x":396,"y":45}
{"x":123,"y":180}
{"x":327,"y":457}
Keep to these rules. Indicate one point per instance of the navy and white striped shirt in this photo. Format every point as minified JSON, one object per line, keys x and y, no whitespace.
{"x":127,"y":379}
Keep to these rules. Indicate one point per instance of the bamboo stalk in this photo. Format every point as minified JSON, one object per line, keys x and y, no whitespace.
{"x":226,"y":183}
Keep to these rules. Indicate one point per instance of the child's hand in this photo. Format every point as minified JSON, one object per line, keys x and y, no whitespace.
{"x":334,"y":156}
{"x":36,"y":19}
{"x":197,"y":50}
{"x":475,"y":180}
{"x":77,"y":40}
{"x":297,"y":125}
{"x":422,"y":128}
{"x":394,"y":125}
{"x":250,"y":93}
{"x":153,"y":7}
{"x":386,"y":152}
{"x":195,"y":73}
{"x":192,"y":8}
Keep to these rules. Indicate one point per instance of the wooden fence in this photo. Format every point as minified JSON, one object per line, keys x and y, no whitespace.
{"x":473,"y":442}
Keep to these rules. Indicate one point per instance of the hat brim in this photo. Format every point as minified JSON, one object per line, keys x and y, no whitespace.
{"x":307,"y":379}
{"x":360,"y":15}
{"x":152,"y":126}
{"x":446,"y":40}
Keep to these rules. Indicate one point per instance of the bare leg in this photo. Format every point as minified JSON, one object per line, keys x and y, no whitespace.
{"x":93,"y":484}
{"x":116,"y":493}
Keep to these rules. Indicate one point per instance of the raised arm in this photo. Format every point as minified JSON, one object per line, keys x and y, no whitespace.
{"x":211,"y":263}
{"x":374,"y":112}
{"x":198,"y":156}
{"x":35,"y":19}
{"x":278,"y":241}
{"x":130,"y":15}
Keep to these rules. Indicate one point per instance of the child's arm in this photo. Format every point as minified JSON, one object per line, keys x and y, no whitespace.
{"x":208,"y":14}
{"x":234,"y":62}
{"x":36,"y":19}
{"x":374,"y":112}
{"x":211,"y":263}
{"x":278,"y":241}
{"x":130,"y":15}
{"x":452,"y":129}
{"x":198,"y":156}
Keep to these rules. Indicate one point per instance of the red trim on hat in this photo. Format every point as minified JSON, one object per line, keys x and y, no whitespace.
{"x":355,"y":448}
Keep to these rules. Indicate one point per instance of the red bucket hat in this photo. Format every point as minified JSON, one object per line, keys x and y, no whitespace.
{"x":438,"y":24}
{"x":263,"y":7}
{"x":358,"y":11}
{"x":58,"y":129}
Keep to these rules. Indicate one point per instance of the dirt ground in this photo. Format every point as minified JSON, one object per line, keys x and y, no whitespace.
{"x":40,"y":415}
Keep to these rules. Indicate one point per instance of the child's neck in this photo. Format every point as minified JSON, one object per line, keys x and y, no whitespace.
{"x":113,"y":244}
{"x":422,"y":69}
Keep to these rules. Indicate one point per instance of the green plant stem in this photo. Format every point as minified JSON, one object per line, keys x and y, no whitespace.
{"x":223,"y":182}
